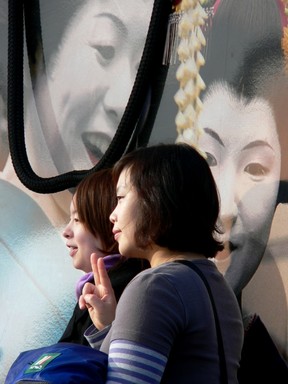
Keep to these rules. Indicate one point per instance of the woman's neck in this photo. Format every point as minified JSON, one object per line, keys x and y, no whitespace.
{"x":164,"y":255}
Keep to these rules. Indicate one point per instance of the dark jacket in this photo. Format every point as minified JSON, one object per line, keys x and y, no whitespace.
{"x":120,"y":276}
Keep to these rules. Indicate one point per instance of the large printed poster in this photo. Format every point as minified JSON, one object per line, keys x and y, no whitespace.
{"x":92,"y":53}
{"x":243,"y":122}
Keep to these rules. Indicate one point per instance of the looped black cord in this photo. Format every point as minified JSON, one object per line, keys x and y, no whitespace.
{"x":137,"y":121}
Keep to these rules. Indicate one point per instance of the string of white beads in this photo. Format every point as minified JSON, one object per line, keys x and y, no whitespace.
{"x":191,"y":60}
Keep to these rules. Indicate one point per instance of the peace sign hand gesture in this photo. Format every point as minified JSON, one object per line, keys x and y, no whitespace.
{"x":99,"y":298}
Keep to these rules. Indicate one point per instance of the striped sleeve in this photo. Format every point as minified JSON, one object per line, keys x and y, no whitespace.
{"x":95,"y":337}
{"x":129,"y":362}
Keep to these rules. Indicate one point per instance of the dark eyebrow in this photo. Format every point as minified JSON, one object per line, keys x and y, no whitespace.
{"x":119,"y":24}
{"x":257,"y":143}
{"x":253,"y":144}
{"x":213,"y":134}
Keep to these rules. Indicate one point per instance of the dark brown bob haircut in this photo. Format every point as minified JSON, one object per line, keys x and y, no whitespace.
{"x":95,"y":199}
{"x":178,"y":198}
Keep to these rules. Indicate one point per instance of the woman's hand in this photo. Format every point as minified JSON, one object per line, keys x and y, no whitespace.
{"x":99,"y":298}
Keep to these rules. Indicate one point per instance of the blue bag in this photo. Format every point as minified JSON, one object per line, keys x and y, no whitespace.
{"x":59,"y":363}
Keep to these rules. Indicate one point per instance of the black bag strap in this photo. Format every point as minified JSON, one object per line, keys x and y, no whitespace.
{"x":223,"y":367}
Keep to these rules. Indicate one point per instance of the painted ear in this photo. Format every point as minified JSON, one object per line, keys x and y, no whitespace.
{"x":133,"y":129}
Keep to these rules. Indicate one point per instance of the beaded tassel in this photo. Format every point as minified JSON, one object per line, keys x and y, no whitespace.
{"x":172,"y":36}
{"x":191,"y":84}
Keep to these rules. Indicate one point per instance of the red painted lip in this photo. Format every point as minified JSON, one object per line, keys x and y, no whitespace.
{"x":96,"y":144}
{"x":94,"y":160}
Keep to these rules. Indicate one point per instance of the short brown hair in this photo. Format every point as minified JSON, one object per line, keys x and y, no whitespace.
{"x":95,"y":199}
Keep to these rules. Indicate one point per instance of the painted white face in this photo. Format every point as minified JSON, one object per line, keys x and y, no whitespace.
{"x":243,"y":152}
{"x":81,"y":242}
{"x":94,"y":74}
{"x":124,"y":216}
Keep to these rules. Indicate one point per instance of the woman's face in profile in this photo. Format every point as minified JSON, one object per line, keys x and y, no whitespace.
{"x":94,"y":73}
{"x":243,"y":152}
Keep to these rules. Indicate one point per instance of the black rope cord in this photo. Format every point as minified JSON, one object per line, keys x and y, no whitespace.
{"x":140,"y":113}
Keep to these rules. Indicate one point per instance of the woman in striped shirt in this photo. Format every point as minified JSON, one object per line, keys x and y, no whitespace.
{"x":163,"y":329}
